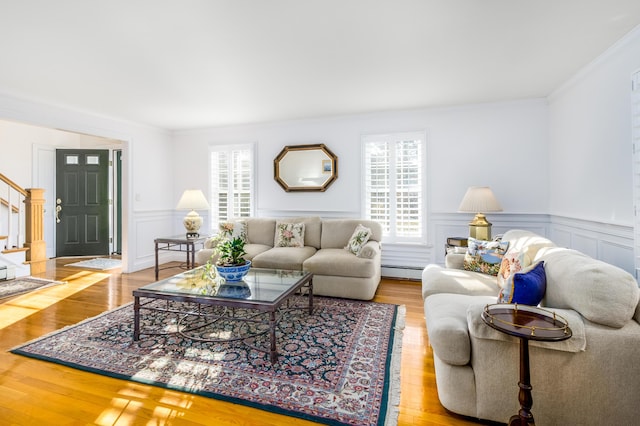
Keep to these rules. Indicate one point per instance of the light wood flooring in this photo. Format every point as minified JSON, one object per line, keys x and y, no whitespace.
{"x":36,"y":392}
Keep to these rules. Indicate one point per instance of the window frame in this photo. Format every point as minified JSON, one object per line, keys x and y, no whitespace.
{"x":213,"y":193}
{"x":391,"y":237}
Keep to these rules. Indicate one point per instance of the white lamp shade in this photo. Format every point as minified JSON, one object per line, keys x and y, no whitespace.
{"x":192,"y":199}
{"x":479,"y":199}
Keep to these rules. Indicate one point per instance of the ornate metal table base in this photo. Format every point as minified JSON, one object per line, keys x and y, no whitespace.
{"x":221,"y":324}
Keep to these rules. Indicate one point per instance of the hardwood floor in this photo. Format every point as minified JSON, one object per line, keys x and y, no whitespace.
{"x":36,"y":392}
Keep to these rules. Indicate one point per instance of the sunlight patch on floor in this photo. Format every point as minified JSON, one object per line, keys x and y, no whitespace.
{"x":126,"y":408}
{"x":22,"y":306}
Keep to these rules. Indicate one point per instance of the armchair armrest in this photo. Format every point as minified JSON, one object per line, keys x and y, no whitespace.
{"x":454,"y":260}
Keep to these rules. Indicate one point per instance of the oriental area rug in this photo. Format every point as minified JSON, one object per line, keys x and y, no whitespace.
{"x":339,"y":366}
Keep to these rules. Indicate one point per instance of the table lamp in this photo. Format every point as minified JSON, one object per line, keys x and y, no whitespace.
{"x":192,"y":199}
{"x":479,"y":199}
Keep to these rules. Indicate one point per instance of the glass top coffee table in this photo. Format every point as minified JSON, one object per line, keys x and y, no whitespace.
{"x":198,"y":303}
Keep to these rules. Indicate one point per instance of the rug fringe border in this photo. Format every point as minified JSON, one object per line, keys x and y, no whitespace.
{"x":394,"y":368}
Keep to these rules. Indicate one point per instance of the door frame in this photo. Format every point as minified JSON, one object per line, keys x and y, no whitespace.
{"x":44,"y":176}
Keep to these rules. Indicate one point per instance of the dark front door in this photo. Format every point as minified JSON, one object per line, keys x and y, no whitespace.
{"x":82,"y":202}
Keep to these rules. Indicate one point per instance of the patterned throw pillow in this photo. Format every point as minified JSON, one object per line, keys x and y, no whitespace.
{"x":526,"y":287}
{"x":358,"y":239}
{"x":484,"y":256}
{"x":231,"y":230}
{"x":289,"y":235}
{"x":512,"y":262}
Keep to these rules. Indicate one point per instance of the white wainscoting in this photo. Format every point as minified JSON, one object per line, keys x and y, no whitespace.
{"x":610,"y":243}
{"x":607,"y":242}
{"x":149,"y":225}
{"x":444,"y":225}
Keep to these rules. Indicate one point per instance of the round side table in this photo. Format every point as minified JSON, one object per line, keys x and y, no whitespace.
{"x":526,"y":323}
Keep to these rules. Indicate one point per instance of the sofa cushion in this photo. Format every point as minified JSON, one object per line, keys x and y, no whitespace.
{"x":600,"y":292}
{"x":235,"y":229}
{"x":446,"y":318}
{"x":261,"y":230}
{"x":336,"y":232}
{"x":289,"y":235}
{"x":436,"y":279}
{"x":484,"y":256}
{"x":283,"y":258}
{"x":254,"y":249}
{"x":526,"y":287}
{"x":526,"y":242}
{"x":312,"y":228}
{"x":358,"y":239}
{"x":338,"y":261}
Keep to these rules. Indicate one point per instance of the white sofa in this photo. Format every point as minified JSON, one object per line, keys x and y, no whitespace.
{"x":336,"y":271}
{"x":593,"y":378}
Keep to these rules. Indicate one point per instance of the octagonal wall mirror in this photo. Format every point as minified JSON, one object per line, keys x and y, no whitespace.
{"x":305,"y":168}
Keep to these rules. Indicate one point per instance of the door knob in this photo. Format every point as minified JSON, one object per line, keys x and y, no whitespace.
{"x":58,"y":209}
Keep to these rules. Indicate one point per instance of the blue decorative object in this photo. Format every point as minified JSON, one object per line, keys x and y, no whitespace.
{"x":526,"y":287}
{"x":235,"y":290}
{"x":233,"y":273}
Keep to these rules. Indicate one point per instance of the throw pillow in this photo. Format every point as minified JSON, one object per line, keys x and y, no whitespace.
{"x":289,"y":235}
{"x":526,"y":287}
{"x":358,"y":239}
{"x":484,"y":256}
{"x":231,"y":230}
{"x":512,"y":262}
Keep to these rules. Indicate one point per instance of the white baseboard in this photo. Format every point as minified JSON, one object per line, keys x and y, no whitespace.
{"x":402,"y":272}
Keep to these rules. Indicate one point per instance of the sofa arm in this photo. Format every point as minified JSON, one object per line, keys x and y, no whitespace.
{"x":447,"y":328}
{"x":208,"y":244}
{"x":370,"y":250}
{"x":454,"y":260}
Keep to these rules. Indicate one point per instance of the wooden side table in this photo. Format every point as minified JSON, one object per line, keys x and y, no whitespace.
{"x":526,"y":323}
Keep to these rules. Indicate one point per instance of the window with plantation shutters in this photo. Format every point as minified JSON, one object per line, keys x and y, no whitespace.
{"x":231,"y":182}
{"x":394,"y":184}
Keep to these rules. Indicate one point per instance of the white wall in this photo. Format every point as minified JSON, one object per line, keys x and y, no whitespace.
{"x":147,"y":163}
{"x":590,"y":139}
{"x":503,"y":145}
{"x":590,"y":157}
{"x":17,"y":141}
{"x":570,"y":159}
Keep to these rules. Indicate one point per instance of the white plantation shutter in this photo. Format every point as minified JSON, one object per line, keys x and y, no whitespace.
{"x":377,"y":197}
{"x":394,"y":182}
{"x":231,"y":171}
{"x":635,"y":121}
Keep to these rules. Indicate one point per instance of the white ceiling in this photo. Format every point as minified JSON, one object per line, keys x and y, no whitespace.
{"x":198,"y":63}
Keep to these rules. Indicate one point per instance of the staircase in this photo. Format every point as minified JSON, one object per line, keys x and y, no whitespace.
{"x":22,"y":245}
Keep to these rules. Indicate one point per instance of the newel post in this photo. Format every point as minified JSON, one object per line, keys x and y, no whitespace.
{"x":34,"y":230}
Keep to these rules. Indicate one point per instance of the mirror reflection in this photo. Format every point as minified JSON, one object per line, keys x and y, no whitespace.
{"x":305,"y":168}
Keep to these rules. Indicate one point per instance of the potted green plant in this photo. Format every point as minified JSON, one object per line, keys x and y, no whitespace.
{"x":228,"y":259}
{"x":231,"y":252}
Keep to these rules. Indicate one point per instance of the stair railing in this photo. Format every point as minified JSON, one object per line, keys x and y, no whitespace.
{"x":22,"y":222}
